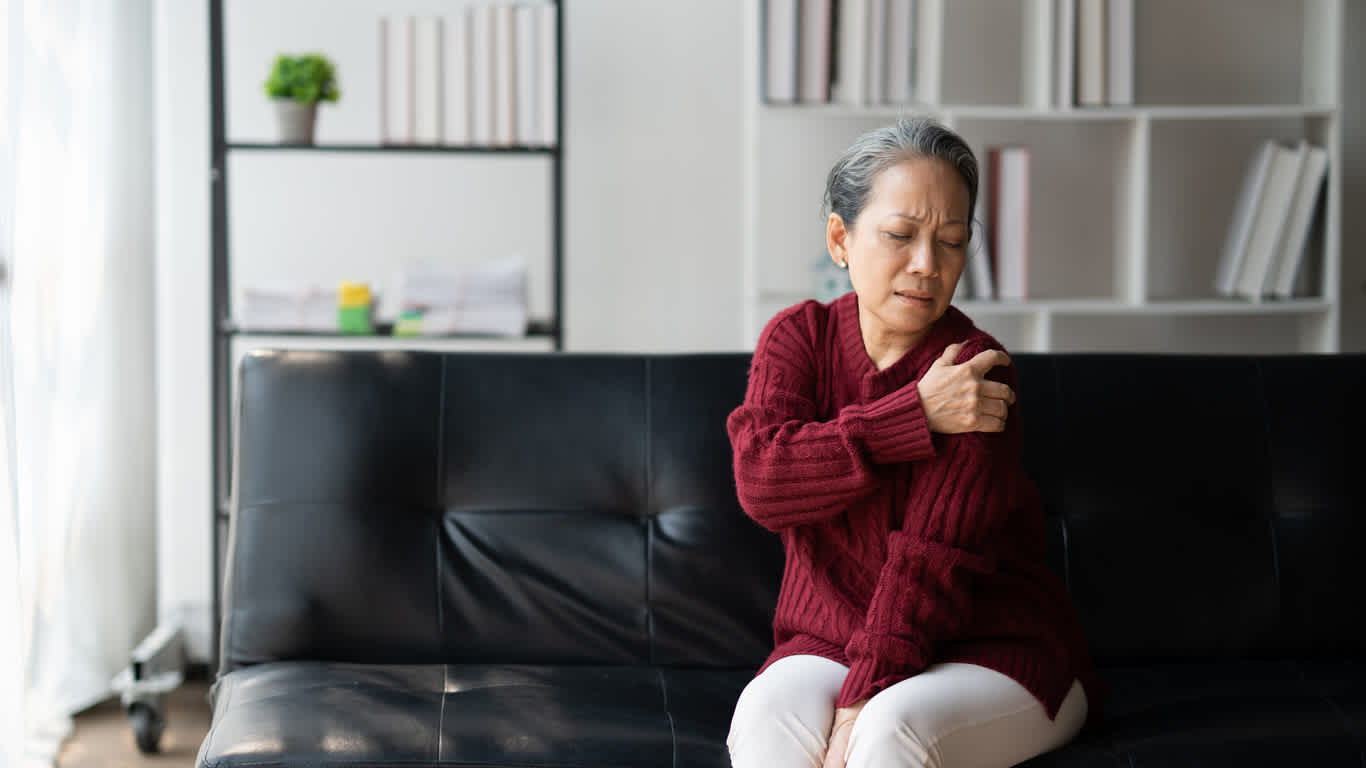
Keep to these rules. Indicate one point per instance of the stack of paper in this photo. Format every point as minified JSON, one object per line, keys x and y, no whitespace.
{"x":486,"y":299}
{"x":288,"y":307}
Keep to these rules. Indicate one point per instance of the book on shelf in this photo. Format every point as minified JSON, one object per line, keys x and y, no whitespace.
{"x":780,"y":46}
{"x":1065,"y":43}
{"x":900,"y":51}
{"x":813,"y":65}
{"x":455,"y":38}
{"x":1241,"y":221}
{"x":1290,"y":252}
{"x":504,"y":75}
{"x":482,"y":36}
{"x":528,"y":75}
{"x":428,"y":113}
{"x":547,"y":30}
{"x":1008,"y":220}
{"x":1268,"y":220}
{"x":396,"y":40}
{"x":851,"y":58}
{"x":1091,"y":34}
{"x":875,"y":44}
{"x":1119,"y":53}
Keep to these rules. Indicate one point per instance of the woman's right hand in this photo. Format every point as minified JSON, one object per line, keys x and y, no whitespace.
{"x":959,"y":398}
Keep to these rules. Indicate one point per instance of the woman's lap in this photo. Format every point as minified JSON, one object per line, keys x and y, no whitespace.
{"x":949,"y":715}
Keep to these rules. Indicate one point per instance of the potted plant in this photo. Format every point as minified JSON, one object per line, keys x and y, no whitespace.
{"x":296,"y":84}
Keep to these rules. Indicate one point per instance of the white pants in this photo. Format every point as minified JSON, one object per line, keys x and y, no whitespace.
{"x":949,"y":716}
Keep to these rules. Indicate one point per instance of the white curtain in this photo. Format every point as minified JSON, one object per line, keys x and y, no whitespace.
{"x":79,"y":186}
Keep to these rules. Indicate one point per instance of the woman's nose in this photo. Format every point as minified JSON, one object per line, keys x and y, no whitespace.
{"x":922,"y":261}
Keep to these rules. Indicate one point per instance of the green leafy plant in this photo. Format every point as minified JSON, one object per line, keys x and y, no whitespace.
{"x":307,"y":79}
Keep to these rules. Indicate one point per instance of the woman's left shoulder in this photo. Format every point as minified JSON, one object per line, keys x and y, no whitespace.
{"x":974,"y":340}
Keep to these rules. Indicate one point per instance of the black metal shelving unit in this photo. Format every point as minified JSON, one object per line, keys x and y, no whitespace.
{"x":223,"y":327}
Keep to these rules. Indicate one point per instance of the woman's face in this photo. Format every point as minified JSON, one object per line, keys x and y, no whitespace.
{"x":906,"y":250}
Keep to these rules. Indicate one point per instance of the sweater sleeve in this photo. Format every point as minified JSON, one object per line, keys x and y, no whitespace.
{"x":956,"y":505}
{"x":790,"y":468}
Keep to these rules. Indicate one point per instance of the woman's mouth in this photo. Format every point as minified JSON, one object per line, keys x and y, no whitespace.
{"x":915,"y":298}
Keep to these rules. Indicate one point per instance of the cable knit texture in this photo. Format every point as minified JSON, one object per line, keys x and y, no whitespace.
{"x":903,"y":548}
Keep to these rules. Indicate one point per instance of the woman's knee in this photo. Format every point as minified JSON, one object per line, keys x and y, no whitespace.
{"x":883,"y":736}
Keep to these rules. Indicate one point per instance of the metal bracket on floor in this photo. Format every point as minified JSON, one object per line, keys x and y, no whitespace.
{"x":157,"y":667}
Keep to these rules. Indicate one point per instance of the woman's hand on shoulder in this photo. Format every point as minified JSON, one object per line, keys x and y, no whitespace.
{"x":839,"y":734}
{"x":960,"y":398}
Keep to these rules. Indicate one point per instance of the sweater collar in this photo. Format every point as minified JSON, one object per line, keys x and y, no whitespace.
{"x":952,"y":326}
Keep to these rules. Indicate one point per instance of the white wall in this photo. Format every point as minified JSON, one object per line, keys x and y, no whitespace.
{"x":653,"y":165}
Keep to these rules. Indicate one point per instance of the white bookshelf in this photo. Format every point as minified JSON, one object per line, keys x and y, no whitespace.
{"x":1129,"y":204}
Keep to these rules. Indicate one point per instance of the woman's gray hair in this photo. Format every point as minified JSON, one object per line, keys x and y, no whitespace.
{"x":851,"y":179}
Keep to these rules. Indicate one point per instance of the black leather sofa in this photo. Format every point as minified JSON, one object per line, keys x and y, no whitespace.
{"x":474,"y":560}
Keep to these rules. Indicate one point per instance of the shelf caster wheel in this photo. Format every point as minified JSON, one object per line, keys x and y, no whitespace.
{"x":148,"y":725}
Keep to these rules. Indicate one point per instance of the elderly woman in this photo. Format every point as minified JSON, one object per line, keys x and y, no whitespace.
{"x":917,"y":624}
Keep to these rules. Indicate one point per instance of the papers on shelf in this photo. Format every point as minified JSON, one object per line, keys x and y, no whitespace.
{"x":288,"y":307}
{"x":484,"y":299}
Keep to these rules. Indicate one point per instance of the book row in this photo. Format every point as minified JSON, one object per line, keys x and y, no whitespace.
{"x":847,"y":51}
{"x":1267,"y":234}
{"x":1094,"y":65}
{"x":487,"y":75}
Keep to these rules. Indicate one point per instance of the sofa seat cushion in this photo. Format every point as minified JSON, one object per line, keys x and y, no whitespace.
{"x":1251,"y":713}
{"x":323,"y":714}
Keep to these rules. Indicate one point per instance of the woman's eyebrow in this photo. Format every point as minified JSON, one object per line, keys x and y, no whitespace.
{"x":919,"y":220}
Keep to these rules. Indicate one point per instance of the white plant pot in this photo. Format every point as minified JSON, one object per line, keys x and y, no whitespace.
{"x":296,"y":121}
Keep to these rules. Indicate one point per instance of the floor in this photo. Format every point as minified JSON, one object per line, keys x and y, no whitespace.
{"x":103,"y":738}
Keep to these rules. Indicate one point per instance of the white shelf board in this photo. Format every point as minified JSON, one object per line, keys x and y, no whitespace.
{"x":1207,"y":307}
{"x":952,"y":112}
{"x":248,"y":341}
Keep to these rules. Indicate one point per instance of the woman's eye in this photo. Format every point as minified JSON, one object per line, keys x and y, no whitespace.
{"x":949,"y":244}
{"x":899,"y":236}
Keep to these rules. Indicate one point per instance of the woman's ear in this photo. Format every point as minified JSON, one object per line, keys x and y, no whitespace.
{"x":836,"y":240}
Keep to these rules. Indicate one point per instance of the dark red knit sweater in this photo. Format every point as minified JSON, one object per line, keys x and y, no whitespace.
{"x":903,"y":548}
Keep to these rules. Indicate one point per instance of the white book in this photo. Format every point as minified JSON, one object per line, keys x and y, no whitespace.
{"x":1273,"y":210}
{"x":504,"y":75}
{"x":1119,"y":73}
{"x":850,"y":54}
{"x":397,"y":79}
{"x":877,"y":52}
{"x":1010,"y":176}
{"x":1091,"y":34}
{"x":1240,"y":223}
{"x":455,"y":57}
{"x":814,"y":52}
{"x":900,"y":50}
{"x":1290,"y":252}
{"x":1066,"y":46}
{"x":481,"y":74}
{"x":979,"y":248}
{"x":528,"y":76}
{"x":780,"y":45}
{"x":548,"y":30}
{"x":428,"y":113}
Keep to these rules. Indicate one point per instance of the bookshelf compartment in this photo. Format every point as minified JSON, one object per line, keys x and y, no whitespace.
{"x":1196,"y":177}
{"x":1256,"y":58}
{"x":310,"y":217}
{"x":1079,"y":226}
{"x":1169,"y":334}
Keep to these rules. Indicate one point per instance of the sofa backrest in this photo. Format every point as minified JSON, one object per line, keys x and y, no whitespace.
{"x":417,"y":507}
{"x":1204,"y":506}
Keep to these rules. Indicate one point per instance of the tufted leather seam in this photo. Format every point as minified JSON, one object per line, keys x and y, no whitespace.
{"x":648,"y":520}
{"x":1271,"y":488}
{"x":441,"y":718}
{"x":673,"y":733}
{"x":441,"y":506}
{"x":1058,"y":400}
